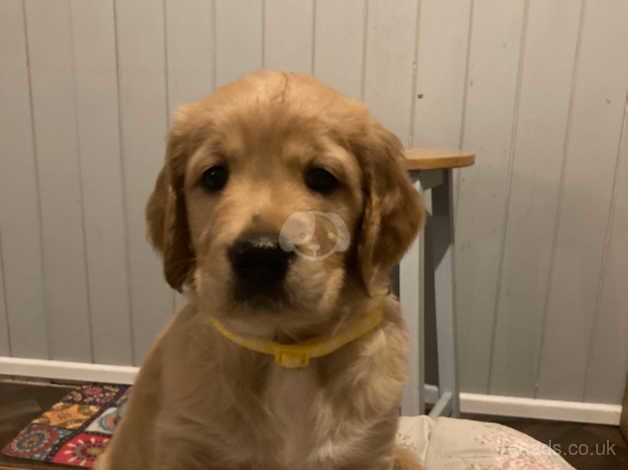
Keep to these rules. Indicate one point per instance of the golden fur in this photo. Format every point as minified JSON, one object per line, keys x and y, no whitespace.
{"x":201,"y":402}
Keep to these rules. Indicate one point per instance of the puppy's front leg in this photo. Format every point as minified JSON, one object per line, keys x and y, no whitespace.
{"x":385,"y":463}
{"x":132,"y":445}
{"x":405,"y":459}
{"x":402,"y":459}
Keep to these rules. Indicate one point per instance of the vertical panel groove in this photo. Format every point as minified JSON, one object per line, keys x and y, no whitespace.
{"x":79,"y":164}
{"x":507,"y":199}
{"x":289,"y":30}
{"x":561,"y":188}
{"x":37,"y":181}
{"x":263,"y":34}
{"x":164,"y":7}
{"x":441,"y":56}
{"x":125,"y":218}
{"x":240,"y":44}
{"x":4,"y":300}
{"x":215,"y":40}
{"x":463,"y":118}
{"x":365,"y":38}
{"x":607,"y":244}
{"x":313,"y":48}
{"x":415,"y":75}
{"x":388,"y":66}
{"x":339,"y":45}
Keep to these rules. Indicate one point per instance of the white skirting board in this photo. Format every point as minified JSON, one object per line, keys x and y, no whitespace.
{"x":64,"y":370}
{"x":496,"y":405}
{"x":534,"y":408}
{"x":557,"y":410}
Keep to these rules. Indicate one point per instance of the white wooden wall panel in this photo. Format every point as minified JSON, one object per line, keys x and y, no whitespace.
{"x":98,"y":128}
{"x":339,"y":45}
{"x":583,"y":221}
{"x":190,"y":51}
{"x":496,"y":34}
{"x":537,"y":88}
{"x":239,"y":38}
{"x":540,"y":136}
{"x":19,"y":193}
{"x":389,"y":69}
{"x":288,"y":35}
{"x":441,"y":68}
{"x":49,"y":27}
{"x":608,"y":361}
{"x":442,"y":64}
{"x":143,"y":114}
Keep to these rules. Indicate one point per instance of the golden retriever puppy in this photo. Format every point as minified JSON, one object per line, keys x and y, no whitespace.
{"x":280,"y":210}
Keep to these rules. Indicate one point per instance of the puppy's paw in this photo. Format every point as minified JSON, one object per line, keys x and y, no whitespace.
{"x":405,"y":459}
{"x":102,"y":462}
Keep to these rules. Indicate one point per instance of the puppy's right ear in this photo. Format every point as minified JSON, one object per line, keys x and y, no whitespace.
{"x":166,"y":213}
{"x":393,"y":210}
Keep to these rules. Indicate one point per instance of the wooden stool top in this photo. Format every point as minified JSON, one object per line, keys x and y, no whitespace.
{"x":437,"y":159}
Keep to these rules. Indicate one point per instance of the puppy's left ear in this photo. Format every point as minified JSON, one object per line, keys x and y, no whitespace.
{"x":393,"y":209}
{"x":166,"y":213}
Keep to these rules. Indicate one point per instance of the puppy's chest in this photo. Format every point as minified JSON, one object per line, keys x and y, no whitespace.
{"x":291,"y":396}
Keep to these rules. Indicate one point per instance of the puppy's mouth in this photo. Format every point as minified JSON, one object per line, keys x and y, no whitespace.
{"x":259,"y":267}
{"x":259,"y":289}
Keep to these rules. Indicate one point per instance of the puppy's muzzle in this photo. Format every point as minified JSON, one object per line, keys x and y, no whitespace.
{"x":259,"y":263}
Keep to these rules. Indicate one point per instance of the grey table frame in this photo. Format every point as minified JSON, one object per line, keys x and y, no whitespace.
{"x":436,"y":187}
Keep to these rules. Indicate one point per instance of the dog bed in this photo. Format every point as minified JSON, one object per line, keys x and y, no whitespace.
{"x":460,"y":444}
{"x":77,"y":429}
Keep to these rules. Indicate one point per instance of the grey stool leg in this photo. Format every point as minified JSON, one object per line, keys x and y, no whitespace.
{"x":442,"y":252}
{"x":411,"y":298}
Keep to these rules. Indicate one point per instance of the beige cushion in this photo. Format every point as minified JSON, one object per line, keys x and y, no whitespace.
{"x":459,"y":444}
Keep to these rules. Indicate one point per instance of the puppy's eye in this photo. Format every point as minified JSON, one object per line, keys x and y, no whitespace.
{"x":215,"y":178}
{"x":320,"y":180}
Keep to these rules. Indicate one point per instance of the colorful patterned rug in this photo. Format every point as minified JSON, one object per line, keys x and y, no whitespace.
{"x":75,"y":430}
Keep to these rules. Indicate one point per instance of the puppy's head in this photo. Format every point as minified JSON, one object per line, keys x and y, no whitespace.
{"x":277,"y":195}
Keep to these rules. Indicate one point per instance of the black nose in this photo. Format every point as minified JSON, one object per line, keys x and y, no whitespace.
{"x":258,"y":260}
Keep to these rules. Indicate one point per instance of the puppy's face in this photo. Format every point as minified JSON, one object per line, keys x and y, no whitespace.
{"x":273,"y":201}
{"x":256,"y":206}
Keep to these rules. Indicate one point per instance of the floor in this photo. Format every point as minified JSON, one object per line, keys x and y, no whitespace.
{"x":21,"y":402}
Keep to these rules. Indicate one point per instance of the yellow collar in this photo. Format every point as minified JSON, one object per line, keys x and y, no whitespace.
{"x":298,"y":355}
